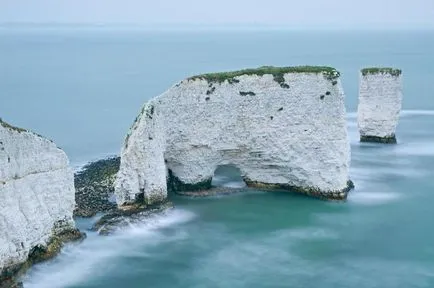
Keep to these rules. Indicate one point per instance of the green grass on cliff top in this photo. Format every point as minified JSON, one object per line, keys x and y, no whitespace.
{"x":9,"y":126}
{"x":330,"y":72}
{"x":381,"y":70}
{"x":19,"y":130}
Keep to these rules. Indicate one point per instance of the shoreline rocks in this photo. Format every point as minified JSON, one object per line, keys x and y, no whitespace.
{"x":117,"y":219}
{"x":380,"y":102}
{"x":308,"y":191}
{"x":211,"y":192}
{"x":94,"y":186}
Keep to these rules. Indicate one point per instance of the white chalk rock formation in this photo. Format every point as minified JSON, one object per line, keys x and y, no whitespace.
{"x":282,"y":127}
{"x":380,"y":101}
{"x":36,"y":195}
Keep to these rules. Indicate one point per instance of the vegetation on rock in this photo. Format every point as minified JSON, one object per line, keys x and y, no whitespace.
{"x":381,"y":70}
{"x":11,"y":127}
{"x":277,"y":72}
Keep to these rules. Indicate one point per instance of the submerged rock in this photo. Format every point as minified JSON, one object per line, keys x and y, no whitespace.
{"x":36,"y":200}
{"x":94,"y":187}
{"x":279,"y":126}
{"x":380,"y":101}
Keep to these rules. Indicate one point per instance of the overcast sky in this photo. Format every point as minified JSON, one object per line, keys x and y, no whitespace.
{"x":288,"y":13}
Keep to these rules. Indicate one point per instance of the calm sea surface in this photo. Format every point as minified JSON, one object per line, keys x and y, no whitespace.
{"x":83,"y":88}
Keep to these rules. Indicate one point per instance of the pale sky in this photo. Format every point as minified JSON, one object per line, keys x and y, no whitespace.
{"x":288,"y":13}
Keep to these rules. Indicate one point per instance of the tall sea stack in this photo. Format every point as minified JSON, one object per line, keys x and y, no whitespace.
{"x":380,"y":101}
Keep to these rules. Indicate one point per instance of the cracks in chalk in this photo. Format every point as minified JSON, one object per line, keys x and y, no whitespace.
{"x":16,"y":177}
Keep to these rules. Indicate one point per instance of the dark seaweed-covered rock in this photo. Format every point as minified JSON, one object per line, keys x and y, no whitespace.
{"x":376,"y":139}
{"x":174,"y":184}
{"x":94,"y":186}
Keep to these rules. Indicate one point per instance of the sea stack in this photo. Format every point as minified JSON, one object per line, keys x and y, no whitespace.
{"x":284,"y":128}
{"x":36,"y":200}
{"x":380,"y":101}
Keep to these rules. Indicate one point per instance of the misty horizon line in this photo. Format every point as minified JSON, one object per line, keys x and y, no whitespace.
{"x":206,"y":26}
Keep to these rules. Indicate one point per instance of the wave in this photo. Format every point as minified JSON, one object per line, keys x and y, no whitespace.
{"x":425,"y":148}
{"x":373,"y":198}
{"x":352,"y":115}
{"x":404,"y":113}
{"x":90,"y":259}
{"x":78,"y":166}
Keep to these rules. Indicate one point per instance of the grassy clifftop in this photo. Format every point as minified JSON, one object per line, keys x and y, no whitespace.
{"x":277,"y":72}
{"x":381,"y":70}
{"x":11,"y":127}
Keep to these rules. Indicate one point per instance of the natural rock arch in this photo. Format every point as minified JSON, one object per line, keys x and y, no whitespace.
{"x":228,"y":176}
{"x":283,"y":127}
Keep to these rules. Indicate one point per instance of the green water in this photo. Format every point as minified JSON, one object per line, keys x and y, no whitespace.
{"x":83,"y":89}
{"x":380,"y":237}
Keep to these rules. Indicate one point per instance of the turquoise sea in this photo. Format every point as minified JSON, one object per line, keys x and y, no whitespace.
{"x":83,"y":88}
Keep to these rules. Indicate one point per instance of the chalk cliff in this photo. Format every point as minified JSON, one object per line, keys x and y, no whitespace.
{"x":380,"y":101}
{"x":36,"y":199}
{"x":282,"y":127}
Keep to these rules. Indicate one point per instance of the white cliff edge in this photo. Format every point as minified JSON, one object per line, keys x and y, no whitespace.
{"x":36,"y":197}
{"x":380,"y":102}
{"x":283,"y":128}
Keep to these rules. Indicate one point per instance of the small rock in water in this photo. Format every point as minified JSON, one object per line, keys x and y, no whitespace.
{"x":121,"y":218}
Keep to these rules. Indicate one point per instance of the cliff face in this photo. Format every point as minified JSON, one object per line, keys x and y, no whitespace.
{"x":36,"y":195}
{"x":282,"y":127}
{"x":380,"y":101}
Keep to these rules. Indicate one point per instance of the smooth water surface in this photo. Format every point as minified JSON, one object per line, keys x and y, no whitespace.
{"x":381,"y":237}
{"x":84,"y":88}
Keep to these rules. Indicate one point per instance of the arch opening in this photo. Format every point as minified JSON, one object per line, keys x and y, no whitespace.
{"x":228,"y":176}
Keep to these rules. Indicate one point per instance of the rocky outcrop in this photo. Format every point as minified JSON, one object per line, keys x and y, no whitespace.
{"x":94,"y":187}
{"x":121,"y":218}
{"x":380,"y":101}
{"x":282,"y":127}
{"x":36,"y":200}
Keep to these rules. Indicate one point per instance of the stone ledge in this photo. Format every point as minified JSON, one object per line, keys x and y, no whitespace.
{"x":376,"y":139}
{"x":309,"y":191}
{"x":313,"y":192}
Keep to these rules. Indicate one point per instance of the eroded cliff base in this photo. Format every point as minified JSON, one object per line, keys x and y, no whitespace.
{"x":376,"y":139}
{"x":308,"y":191}
{"x":9,"y":275}
{"x":205,"y":189}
